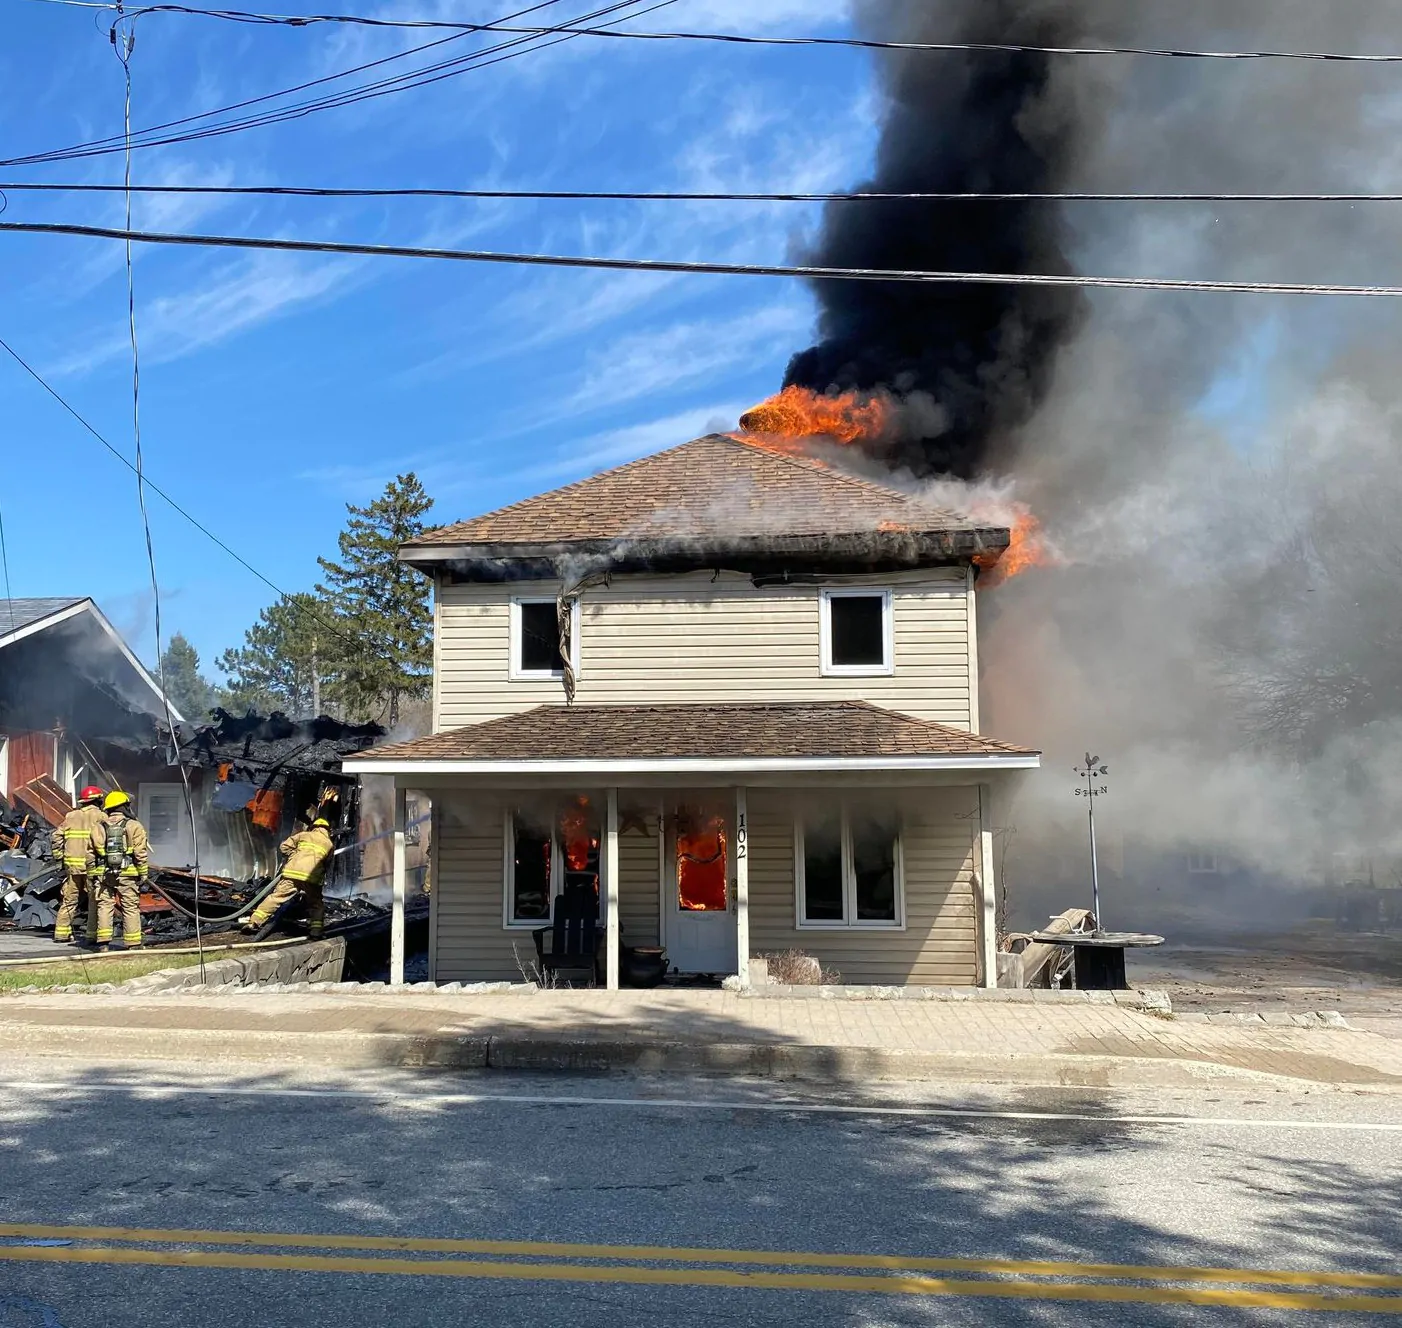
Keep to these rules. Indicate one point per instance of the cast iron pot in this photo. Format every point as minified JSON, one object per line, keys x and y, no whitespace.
{"x":644,"y":966}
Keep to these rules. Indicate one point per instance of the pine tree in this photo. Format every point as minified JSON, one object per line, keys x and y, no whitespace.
{"x":383,"y":605}
{"x":190,"y":692}
{"x":288,"y":661}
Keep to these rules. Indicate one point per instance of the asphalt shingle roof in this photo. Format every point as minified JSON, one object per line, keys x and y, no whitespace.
{"x":717,"y":487}
{"x":814,"y":730}
{"x":29,"y":611}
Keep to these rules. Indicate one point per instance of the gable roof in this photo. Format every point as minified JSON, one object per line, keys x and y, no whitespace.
{"x":812,"y":735}
{"x":18,"y":614}
{"x":82,"y":622}
{"x":717,"y":493}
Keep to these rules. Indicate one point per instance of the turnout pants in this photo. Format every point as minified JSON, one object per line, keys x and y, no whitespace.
{"x":128,"y":890}
{"x":75,"y":884}
{"x":283,"y":893}
{"x":102,"y":899}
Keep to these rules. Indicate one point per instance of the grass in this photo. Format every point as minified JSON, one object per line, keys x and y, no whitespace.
{"x":89,"y":972}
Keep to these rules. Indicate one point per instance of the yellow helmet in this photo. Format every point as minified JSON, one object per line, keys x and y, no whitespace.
{"x":116,"y":800}
{"x":321,"y":821}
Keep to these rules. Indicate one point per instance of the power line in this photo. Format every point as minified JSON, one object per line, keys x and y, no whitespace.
{"x":858,"y":43}
{"x":5,"y":564}
{"x":702,"y":268}
{"x":415,"y":78}
{"x":666,"y":196}
{"x":161,"y":493}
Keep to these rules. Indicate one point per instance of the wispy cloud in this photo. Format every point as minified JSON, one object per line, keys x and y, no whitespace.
{"x":238,"y":297}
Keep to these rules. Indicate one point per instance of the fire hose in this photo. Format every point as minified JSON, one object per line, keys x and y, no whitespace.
{"x":225,"y":917}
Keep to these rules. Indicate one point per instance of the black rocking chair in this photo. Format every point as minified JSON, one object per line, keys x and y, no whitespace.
{"x":571,"y":944}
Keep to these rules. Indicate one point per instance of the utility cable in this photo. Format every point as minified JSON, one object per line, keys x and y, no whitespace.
{"x":741,"y":39}
{"x":415,"y":78}
{"x":701,"y":268}
{"x":123,"y":44}
{"x":5,"y":563}
{"x":667,"y":196}
{"x":156,"y":489}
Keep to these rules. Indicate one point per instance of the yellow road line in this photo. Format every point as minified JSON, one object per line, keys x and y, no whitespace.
{"x":707,"y":1277}
{"x":683,"y":1254}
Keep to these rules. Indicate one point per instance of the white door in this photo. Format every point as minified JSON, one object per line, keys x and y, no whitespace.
{"x":700,"y":883}
{"x":161,"y":809}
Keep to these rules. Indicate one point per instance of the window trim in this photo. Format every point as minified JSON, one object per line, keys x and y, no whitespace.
{"x":515,"y":673}
{"x":830,"y":670}
{"x":850,"y":921}
{"x":508,"y":876}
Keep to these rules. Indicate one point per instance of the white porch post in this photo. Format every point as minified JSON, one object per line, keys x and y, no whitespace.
{"x":742,"y":888}
{"x":611,"y":888}
{"x":988,"y":917}
{"x":401,"y":858}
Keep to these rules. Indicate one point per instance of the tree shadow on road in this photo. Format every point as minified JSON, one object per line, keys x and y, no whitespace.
{"x":1092,"y":1189}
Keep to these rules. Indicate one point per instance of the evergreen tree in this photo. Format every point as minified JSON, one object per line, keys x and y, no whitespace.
{"x":190,"y":692}
{"x":288,"y":661}
{"x":383,"y":605}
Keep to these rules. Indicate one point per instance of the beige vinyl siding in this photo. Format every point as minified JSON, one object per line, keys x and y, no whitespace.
{"x":473,"y":946}
{"x":701,"y":639}
{"x":938,"y":946}
{"x":638,"y":887}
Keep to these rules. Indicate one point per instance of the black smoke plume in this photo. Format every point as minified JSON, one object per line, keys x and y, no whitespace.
{"x":977,"y":358}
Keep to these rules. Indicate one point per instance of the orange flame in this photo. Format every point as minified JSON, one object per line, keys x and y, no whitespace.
{"x":1028,"y":548}
{"x":797,"y":412}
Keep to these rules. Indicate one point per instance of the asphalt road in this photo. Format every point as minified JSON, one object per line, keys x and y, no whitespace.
{"x":176,"y":1196}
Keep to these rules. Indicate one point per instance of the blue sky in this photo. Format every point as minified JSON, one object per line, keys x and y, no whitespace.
{"x":277,"y":388}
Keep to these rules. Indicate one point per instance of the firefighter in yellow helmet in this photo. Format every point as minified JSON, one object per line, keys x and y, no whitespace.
{"x":72,"y":845}
{"x":122,"y":850}
{"x":306,"y":854}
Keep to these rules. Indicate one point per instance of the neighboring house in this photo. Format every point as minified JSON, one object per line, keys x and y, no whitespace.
{"x":732,"y":691}
{"x":78,"y":706}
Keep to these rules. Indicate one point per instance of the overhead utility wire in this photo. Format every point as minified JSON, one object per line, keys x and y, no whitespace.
{"x":741,"y":39}
{"x":156,"y":489}
{"x":712,"y":269}
{"x":5,"y":563}
{"x":298,"y":87}
{"x":665,"y":196}
{"x":415,"y":78}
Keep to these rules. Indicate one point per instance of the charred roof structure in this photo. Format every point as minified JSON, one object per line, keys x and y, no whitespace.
{"x":718,"y":501}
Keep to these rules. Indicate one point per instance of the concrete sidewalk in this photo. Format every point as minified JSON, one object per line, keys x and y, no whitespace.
{"x":843,"y":1042}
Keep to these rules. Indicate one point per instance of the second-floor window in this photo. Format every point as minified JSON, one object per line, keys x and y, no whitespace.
{"x":535,"y":639}
{"x":856,"y":635}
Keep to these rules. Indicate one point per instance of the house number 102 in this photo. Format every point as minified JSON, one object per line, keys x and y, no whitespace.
{"x":741,"y":838}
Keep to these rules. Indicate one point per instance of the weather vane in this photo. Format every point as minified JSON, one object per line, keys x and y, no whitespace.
{"x":1091,"y":772}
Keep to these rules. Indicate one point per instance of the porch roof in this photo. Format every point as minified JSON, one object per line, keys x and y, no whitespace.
{"x":799,"y":736}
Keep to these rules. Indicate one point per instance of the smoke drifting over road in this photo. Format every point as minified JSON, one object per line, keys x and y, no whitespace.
{"x":1219,"y":473}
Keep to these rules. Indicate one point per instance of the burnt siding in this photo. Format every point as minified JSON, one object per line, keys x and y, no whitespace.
{"x":659,"y":640}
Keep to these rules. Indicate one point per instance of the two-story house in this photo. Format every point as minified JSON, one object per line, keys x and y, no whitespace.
{"x":733,"y":691}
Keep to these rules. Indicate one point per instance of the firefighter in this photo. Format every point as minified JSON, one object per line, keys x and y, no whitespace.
{"x":72,"y":845}
{"x":306,"y":854}
{"x":122,"y":850}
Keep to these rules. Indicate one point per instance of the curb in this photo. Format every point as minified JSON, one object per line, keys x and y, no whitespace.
{"x":820,"y":1064}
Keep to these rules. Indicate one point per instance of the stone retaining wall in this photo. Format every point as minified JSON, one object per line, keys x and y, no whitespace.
{"x":312,"y":961}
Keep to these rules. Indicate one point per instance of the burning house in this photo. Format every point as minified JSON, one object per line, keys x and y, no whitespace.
{"x":724,"y":700}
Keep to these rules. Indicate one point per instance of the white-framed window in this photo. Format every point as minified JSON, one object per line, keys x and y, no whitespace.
{"x":1203,"y":864}
{"x":855,"y":633}
{"x":848,"y":869}
{"x":535,"y":639}
{"x":548,"y":849}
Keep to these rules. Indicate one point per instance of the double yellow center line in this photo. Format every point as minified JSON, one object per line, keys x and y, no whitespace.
{"x":883,"y":1274}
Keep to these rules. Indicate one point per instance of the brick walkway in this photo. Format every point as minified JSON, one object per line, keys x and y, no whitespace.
{"x":986,"y":1034}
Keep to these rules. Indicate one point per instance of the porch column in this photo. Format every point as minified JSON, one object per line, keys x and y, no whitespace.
{"x":401,"y":857}
{"x":742,"y":889}
{"x":988,"y":900}
{"x":611,"y":893}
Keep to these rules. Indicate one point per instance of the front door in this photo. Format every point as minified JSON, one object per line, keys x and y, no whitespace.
{"x":700,"y":917}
